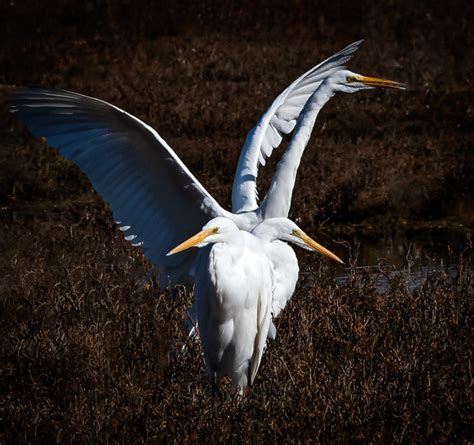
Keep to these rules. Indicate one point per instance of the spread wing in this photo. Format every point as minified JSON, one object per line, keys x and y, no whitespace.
{"x":278,"y":120}
{"x":154,"y":197}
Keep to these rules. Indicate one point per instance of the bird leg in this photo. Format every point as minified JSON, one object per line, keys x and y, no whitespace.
{"x":216,"y":391}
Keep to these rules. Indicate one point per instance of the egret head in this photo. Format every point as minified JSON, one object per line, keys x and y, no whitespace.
{"x":215,"y":231}
{"x":346,"y":81}
{"x":286,"y":230}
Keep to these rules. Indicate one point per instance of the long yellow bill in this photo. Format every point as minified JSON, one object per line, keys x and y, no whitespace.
{"x":376,"y":82}
{"x":316,"y":246}
{"x":196,"y":239}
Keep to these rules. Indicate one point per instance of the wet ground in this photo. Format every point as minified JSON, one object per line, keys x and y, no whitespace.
{"x":377,"y":350}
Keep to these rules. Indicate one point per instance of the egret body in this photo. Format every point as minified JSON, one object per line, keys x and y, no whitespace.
{"x":235,"y":293}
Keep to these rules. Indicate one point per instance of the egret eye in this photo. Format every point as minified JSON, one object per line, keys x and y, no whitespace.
{"x":350,"y":79}
{"x":294,"y":232}
{"x":215,"y":230}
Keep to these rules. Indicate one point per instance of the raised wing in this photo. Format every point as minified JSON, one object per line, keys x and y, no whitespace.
{"x":278,"y":120}
{"x":277,"y":201}
{"x":157,"y":200}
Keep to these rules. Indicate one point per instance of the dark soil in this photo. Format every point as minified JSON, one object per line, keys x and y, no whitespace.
{"x":88,"y":357}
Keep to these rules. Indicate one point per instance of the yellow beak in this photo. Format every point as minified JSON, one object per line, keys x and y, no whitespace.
{"x":376,"y":82}
{"x":196,"y":239}
{"x":316,"y":246}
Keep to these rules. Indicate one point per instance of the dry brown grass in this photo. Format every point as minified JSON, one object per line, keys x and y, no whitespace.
{"x":87,"y":357}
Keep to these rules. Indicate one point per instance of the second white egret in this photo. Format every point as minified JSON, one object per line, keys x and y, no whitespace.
{"x":274,"y":233}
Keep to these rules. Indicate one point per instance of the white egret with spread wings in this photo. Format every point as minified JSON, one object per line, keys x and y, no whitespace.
{"x":157,"y":200}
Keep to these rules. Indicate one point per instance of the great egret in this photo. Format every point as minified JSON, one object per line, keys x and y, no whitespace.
{"x":274,"y":233}
{"x":234,"y":292}
{"x":152,"y":193}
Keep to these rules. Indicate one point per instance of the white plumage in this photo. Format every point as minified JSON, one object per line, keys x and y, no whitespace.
{"x":245,"y":278}
{"x":280,"y":119}
{"x":154,"y":195}
{"x":157,"y":200}
{"x":235,"y":288}
{"x":233,"y":294}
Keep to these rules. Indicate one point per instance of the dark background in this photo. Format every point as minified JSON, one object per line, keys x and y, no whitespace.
{"x":87,"y":357}
{"x":203,"y":74}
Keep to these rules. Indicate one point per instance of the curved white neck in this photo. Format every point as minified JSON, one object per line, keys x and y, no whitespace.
{"x":277,"y":201}
{"x":267,"y":231}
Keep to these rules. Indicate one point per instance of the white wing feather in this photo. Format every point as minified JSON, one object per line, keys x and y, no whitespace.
{"x":157,"y":200}
{"x":278,"y":120}
{"x":277,"y":201}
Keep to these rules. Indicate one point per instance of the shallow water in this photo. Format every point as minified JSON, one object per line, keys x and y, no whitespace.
{"x":414,"y":256}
